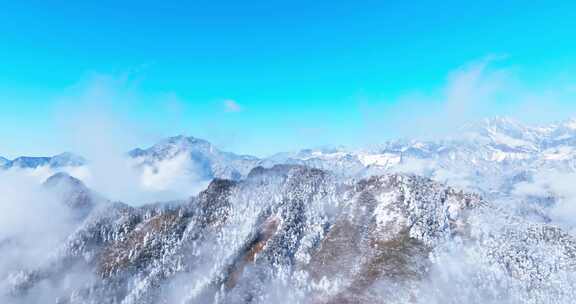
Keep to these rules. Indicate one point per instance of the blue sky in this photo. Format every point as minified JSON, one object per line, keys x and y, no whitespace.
{"x":264,"y":76}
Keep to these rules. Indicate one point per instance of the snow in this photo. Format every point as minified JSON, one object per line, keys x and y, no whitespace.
{"x":509,"y":141}
{"x":384,"y":159}
{"x":499,"y":156}
{"x":308,"y":202}
{"x":570,"y":124}
{"x":559,"y":153}
{"x":382,"y":212}
{"x":563,"y":137}
{"x":324,"y":155}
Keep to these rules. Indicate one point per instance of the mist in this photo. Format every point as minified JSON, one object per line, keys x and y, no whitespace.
{"x":34,"y":223}
{"x":94,"y":123}
{"x":482,"y":88}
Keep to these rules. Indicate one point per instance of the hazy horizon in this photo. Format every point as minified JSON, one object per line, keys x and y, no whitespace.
{"x":300,"y":75}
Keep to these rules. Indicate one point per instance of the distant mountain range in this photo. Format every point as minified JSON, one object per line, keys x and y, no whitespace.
{"x":495,"y":141}
{"x":488,"y":157}
{"x":29,"y":162}
{"x":501,"y":159}
{"x":476,"y":218}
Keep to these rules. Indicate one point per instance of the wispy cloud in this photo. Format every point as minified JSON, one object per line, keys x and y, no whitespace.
{"x":31,"y":218}
{"x":554,"y":182}
{"x":230,"y":105}
{"x":469,"y":92}
{"x":481,"y":88}
{"x":95,"y":124}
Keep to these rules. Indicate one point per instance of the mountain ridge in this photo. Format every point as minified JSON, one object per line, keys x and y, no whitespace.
{"x":405,"y":222}
{"x":304,"y":235}
{"x":65,"y":159}
{"x":503,"y":139}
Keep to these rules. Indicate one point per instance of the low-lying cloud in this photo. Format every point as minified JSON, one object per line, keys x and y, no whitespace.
{"x":557,"y":184}
{"x":32,"y":221}
{"x":93,"y":117}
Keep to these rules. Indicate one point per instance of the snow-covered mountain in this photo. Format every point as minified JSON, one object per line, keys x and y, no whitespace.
{"x":498,"y":158}
{"x":57,"y":161}
{"x":499,"y":140}
{"x":493,"y":157}
{"x":204,"y":159}
{"x":291,"y":234}
{"x":73,"y":193}
{"x":483,"y":217}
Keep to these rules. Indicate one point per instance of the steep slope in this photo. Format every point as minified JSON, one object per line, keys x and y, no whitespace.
{"x":293,"y":234}
{"x":499,"y":158}
{"x":73,"y":193}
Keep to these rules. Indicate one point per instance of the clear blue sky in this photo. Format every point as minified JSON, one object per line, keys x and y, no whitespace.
{"x":300,"y":73}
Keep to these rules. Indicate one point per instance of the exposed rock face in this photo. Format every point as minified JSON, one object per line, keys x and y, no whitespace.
{"x":293,"y":234}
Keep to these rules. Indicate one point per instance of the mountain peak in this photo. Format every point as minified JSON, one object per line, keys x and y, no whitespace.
{"x":501,"y":123}
{"x":172,"y":146}
{"x":67,"y":159}
{"x":62,"y":178}
{"x":72,"y":192}
{"x":195,"y":154}
{"x":182,"y":139}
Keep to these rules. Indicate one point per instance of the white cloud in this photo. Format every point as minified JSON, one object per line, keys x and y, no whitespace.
{"x":172,"y":178}
{"x":482,"y":88}
{"x":561,"y":186}
{"x":95,"y":123}
{"x":231,"y":105}
{"x":470,"y":92}
{"x":33,"y":225}
{"x":32,"y":221}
